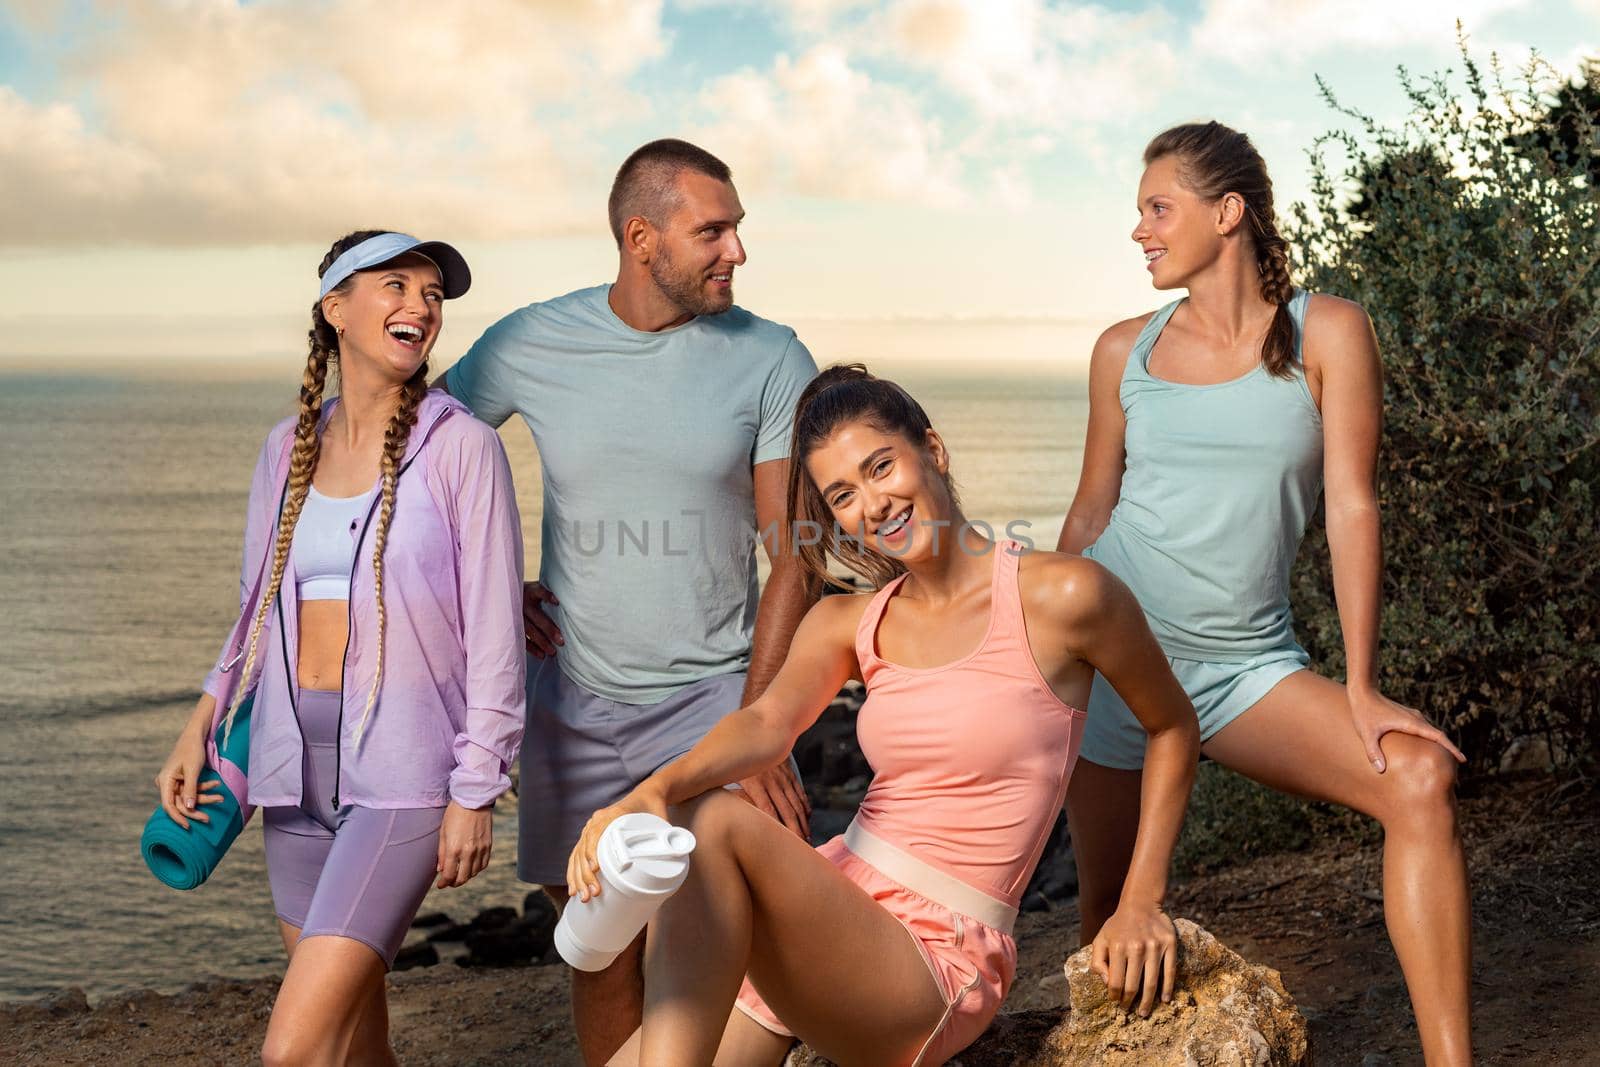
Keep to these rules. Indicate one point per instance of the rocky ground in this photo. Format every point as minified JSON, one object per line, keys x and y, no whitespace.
{"x":1315,"y":916}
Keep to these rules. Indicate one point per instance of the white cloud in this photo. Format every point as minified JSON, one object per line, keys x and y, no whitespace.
{"x":818,"y":126}
{"x":1247,"y":31}
{"x":216,"y":122}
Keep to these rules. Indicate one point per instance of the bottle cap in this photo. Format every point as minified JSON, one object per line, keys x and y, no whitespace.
{"x":645,"y":854}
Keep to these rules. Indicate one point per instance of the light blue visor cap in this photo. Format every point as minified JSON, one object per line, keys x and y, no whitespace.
{"x":376,"y":251}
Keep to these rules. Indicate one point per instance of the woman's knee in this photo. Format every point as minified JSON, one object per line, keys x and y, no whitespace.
{"x":713,"y":817}
{"x":283,"y":1047}
{"x":1421,"y":782}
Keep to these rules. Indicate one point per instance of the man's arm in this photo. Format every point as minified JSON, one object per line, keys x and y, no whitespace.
{"x":784,"y":602}
{"x":785,"y":599}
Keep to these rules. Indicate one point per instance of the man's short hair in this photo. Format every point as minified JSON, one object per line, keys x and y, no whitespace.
{"x":646,"y":183}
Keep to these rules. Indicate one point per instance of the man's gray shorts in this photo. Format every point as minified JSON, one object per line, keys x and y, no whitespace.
{"x":582,"y":752}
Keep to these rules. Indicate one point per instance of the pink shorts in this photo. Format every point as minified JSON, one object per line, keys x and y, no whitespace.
{"x":972,"y":961}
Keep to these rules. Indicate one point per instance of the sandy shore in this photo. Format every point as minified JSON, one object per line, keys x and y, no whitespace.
{"x":1316,"y":916}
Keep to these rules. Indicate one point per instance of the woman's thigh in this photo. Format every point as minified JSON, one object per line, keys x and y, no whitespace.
{"x":1301,"y":739}
{"x":835,"y":965}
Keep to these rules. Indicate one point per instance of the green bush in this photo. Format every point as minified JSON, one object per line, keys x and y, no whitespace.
{"x":1470,"y":232}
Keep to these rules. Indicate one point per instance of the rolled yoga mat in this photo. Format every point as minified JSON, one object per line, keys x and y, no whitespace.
{"x":185,"y":858}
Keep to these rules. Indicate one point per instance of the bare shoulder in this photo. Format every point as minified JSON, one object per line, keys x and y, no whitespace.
{"x":1338,"y":335}
{"x":836,"y":616}
{"x":1115,"y":342}
{"x":1333,"y":319}
{"x":1066,"y":589}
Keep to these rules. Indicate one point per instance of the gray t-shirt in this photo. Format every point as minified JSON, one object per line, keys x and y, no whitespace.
{"x":647,"y":442}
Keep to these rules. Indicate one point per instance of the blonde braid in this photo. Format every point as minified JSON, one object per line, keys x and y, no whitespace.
{"x":395,"y":439}
{"x":324,"y":349}
{"x":302,"y":462}
{"x":1272,"y":260}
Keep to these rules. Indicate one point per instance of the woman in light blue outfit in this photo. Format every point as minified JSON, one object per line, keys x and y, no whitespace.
{"x":1213,"y":425}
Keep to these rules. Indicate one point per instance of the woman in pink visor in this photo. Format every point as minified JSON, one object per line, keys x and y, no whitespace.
{"x":891,"y":944}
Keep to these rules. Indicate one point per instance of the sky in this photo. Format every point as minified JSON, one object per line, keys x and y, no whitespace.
{"x":171,"y":171}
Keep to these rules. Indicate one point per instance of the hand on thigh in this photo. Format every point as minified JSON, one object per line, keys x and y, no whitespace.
{"x":1300,"y":739}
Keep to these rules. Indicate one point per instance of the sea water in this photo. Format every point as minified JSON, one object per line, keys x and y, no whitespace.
{"x":122,"y":496}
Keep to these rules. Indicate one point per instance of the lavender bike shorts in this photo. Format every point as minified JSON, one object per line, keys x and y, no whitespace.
{"x":352,"y":871}
{"x":582,"y":752}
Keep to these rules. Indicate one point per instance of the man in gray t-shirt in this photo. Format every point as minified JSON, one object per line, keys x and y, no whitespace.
{"x":662,"y":414}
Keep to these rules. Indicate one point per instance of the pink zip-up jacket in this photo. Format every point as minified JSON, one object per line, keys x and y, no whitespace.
{"x":449,"y":714}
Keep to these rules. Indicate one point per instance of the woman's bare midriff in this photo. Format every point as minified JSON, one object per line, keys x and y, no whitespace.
{"x":324,"y":628}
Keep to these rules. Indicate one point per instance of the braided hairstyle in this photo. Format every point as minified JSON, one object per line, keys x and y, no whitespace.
{"x":844,"y":393}
{"x":324,"y":349}
{"x":1214,"y":160}
{"x":395,"y":438}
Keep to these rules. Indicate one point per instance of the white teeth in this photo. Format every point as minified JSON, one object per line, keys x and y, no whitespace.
{"x":894,"y":524}
{"x":405,"y":331}
{"x":1151,"y":257}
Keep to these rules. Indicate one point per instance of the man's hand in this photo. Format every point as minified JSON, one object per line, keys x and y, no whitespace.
{"x":778,"y":793}
{"x":539,"y":630}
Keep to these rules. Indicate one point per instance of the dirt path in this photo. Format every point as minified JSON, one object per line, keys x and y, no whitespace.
{"x":1316,"y":916}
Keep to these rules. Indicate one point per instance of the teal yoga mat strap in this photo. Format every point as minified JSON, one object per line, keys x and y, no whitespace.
{"x":184,"y":858}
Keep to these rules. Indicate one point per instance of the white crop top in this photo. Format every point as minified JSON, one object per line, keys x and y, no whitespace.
{"x":324,"y":548}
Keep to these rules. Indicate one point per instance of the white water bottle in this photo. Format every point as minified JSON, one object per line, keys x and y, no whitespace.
{"x":643,"y":860}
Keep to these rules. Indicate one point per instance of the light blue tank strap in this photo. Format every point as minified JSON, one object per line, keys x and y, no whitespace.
{"x":1139,"y":355}
{"x":1297,"y":311}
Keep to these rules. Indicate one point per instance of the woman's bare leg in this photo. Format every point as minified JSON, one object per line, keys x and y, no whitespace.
{"x":325,"y":999}
{"x":1299,"y":739}
{"x":370,"y":1046}
{"x":833,"y":963}
{"x":1103,"y":817}
{"x":745,"y":1043}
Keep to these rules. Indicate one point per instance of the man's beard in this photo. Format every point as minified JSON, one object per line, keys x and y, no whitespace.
{"x":687,"y":294}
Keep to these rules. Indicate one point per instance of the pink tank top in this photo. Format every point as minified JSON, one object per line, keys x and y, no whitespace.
{"x":970,"y":759}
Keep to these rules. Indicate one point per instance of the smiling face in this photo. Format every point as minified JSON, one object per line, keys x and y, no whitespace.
{"x":391,"y":316}
{"x":699,"y":246}
{"x":886,"y":489}
{"x":1180,"y":233}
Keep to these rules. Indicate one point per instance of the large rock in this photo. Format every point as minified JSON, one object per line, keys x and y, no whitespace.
{"x":499,"y":937}
{"x":1227,"y":1012}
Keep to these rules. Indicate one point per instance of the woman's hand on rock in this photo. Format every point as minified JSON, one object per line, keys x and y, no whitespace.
{"x":1136,"y":955}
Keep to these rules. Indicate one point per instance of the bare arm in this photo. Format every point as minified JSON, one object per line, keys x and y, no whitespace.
{"x":784,"y":600}
{"x":1100,"y":483}
{"x":754,"y":738}
{"x":1352,"y":400}
{"x":762,"y":733}
{"x":1110,"y":632}
{"x":1341,"y":343}
{"x":1136,"y":949}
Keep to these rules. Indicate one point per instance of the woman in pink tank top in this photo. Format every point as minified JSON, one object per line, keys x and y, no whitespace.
{"x":891,"y":944}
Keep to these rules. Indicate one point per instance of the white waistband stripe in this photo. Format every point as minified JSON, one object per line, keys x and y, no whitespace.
{"x":901,"y":866}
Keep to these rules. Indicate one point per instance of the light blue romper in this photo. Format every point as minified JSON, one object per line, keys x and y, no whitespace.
{"x":1219,"y":484}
